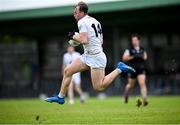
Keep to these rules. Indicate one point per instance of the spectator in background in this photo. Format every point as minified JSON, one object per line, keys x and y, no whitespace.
{"x":136,"y":56}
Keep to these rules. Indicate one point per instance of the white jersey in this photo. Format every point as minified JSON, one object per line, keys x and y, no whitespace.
{"x":95,"y":37}
{"x":69,"y":57}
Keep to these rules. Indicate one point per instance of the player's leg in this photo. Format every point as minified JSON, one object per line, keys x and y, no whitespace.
{"x":78,"y":89}
{"x":71,"y":92}
{"x":76,"y":66}
{"x":128,"y":88}
{"x":100,"y":81}
{"x":80,"y":92}
{"x":142,"y":82}
{"x":77,"y":83}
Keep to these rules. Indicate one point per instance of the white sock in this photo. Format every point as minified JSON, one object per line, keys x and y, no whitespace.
{"x":71,"y":101}
{"x":60,"y":95}
{"x":118,"y":70}
{"x":82,"y":97}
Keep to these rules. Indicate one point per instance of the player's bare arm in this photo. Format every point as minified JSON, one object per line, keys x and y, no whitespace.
{"x":145,"y":56}
{"x":81,"y":37}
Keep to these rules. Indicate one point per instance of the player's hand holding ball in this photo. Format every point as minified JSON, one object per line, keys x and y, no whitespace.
{"x":70,"y":35}
{"x":71,"y":41}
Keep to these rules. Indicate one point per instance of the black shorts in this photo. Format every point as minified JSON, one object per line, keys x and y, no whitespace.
{"x":139,"y":71}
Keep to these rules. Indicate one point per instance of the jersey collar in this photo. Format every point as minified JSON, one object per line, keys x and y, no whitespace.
{"x":84,"y":17}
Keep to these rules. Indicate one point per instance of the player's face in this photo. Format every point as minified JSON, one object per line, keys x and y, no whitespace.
{"x":78,"y":14}
{"x":70,"y":49}
{"x":135,"y":41}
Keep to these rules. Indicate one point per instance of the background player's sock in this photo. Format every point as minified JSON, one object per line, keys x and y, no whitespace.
{"x":126,"y":96}
{"x":71,"y":101}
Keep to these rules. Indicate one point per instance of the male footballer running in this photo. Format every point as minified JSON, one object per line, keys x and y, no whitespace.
{"x":94,"y":59}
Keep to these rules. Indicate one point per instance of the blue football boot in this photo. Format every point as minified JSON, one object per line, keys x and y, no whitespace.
{"x":56,"y":99}
{"x":125,"y":68}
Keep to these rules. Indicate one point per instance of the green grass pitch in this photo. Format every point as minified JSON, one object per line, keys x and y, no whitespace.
{"x":161,"y":110}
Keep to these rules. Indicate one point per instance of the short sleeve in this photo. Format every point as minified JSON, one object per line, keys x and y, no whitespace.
{"x":82,"y":26}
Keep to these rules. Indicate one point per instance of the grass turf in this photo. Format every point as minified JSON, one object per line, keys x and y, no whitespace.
{"x":161,"y":110}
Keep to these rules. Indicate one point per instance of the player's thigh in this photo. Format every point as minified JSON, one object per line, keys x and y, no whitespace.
{"x":76,"y":66}
{"x":141,"y":79}
{"x":77,"y":86}
{"x":131,"y":81}
{"x":97,"y":76}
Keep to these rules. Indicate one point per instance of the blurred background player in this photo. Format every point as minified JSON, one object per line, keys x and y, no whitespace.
{"x":136,"y":56}
{"x":68,"y":57}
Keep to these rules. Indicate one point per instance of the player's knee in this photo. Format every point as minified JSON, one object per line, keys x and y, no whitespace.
{"x":132,"y":85}
{"x":77,"y":87}
{"x":142,"y":85}
{"x":98,"y":88}
{"x":67,"y":71}
{"x":129,"y":85}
